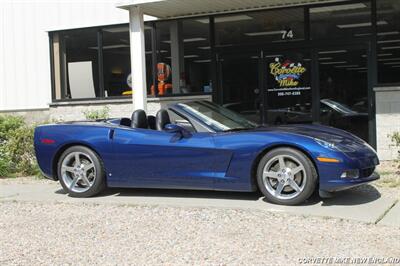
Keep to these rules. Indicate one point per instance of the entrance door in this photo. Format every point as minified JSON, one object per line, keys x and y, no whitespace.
{"x":240,"y":83}
{"x":288,"y":92}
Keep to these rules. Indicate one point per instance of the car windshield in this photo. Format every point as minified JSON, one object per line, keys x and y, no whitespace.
{"x":217,"y":117}
{"x":340,"y":107}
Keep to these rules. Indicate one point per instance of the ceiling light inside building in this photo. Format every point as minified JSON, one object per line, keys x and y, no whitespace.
{"x":343,"y":66}
{"x":379,"y":33}
{"x":115,"y":46}
{"x":225,"y":19}
{"x":262,"y":33}
{"x":392,"y":63}
{"x":189,"y":40}
{"x":204,"y":47}
{"x":337,"y":8}
{"x":202,"y":61}
{"x":390,"y":47}
{"x":333,"y":52}
{"x":333,"y":63}
{"x":389,"y":41}
{"x":325,"y":58}
{"x":388,"y":59}
{"x":359,"y":25}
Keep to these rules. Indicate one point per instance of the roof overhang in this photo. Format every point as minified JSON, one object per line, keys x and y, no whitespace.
{"x":166,"y":9}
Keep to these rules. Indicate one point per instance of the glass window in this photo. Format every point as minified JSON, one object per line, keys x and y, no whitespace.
{"x":344,"y":90}
{"x":388,"y":52}
{"x":76,"y":53}
{"x":183,"y":57}
{"x":116,"y":61}
{"x":76,"y":63}
{"x":259,"y":27}
{"x":341,"y":21}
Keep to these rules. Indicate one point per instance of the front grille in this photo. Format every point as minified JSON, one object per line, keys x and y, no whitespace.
{"x":366,"y":172}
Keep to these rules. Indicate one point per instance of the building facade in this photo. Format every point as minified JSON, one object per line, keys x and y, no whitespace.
{"x":335,"y":63}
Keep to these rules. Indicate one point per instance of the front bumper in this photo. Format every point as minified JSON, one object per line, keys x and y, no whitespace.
{"x":336,"y":185}
{"x":330,"y":173}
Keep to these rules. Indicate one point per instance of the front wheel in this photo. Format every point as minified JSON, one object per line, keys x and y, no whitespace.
{"x":81,"y":172}
{"x":286,"y":176}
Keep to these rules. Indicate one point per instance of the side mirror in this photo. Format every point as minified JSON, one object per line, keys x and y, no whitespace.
{"x":174,"y":128}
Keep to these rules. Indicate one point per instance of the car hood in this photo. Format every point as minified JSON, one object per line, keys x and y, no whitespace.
{"x":330,"y":134}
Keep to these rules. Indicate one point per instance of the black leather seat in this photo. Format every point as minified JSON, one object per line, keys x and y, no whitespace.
{"x":139,"y":119}
{"x":162,"y":118}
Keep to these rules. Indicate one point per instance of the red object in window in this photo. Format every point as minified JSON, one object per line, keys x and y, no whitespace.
{"x":48,"y":141}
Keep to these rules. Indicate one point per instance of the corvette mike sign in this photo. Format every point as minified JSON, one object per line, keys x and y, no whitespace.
{"x":288,"y":78}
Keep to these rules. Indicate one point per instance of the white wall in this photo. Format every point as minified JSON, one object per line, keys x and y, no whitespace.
{"x":25,"y":81}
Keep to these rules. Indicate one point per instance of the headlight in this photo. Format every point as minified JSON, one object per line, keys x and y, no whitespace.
{"x":327,"y":144}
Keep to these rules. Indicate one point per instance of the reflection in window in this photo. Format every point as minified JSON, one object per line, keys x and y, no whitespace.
{"x":344,"y":90}
{"x":260,"y":27}
{"x":341,"y":21}
{"x":388,"y":52}
{"x":183,"y":57}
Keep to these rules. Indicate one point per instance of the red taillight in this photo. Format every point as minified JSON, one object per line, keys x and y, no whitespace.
{"x":48,"y":141}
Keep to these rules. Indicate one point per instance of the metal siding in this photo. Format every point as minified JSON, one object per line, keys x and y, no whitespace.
{"x":25,"y":81}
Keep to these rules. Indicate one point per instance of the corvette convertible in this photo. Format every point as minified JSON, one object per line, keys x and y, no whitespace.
{"x":201,"y":145}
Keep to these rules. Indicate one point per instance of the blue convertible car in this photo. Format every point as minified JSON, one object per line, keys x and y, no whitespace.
{"x":201,"y":145}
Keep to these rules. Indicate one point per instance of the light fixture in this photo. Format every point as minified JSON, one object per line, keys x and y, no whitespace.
{"x":325,"y":58}
{"x":336,"y":8}
{"x":333,"y":63}
{"x":225,"y":19}
{"x":388,"y":54}
{"x":202,"y":61}
{"x":357,"y":68}
{"x":388,"y":59}
{"x":115,"y":46}
{"x":360,"y":25}
{"x":390,"y":47}
{"x":204,"y":47}
{"x":343,"y":66}
{"x":379,"y":33}
{"x":261,"y":33}
{"x":189,"y":40}
{"x":392,"y":63}
{"x":332,"y":52}
{"x":191,"y":56}
{"x":273,"y":56}
{"x":388,"y":41}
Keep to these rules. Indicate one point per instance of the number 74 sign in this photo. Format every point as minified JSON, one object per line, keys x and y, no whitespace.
{"x":287,"y":34}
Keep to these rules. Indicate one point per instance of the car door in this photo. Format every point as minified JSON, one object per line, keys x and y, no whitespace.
{"x":158,"y":159}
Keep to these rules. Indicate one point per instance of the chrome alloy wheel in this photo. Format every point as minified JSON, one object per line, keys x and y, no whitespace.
{"x":284,"y":177}
{"x":78,"y":172}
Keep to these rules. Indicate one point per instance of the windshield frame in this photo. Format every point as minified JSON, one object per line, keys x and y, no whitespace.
{"x":212,"y":124}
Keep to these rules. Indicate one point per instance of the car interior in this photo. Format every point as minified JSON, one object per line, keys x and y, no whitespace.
{"x":139,"y":119}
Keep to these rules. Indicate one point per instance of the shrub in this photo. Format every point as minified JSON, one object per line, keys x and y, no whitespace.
{"x":395,"y":137}
{"x":17,"y":156}
{"x":103,"y":113}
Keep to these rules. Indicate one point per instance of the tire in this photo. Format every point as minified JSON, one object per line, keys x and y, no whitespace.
{"x":291,"y":184}
{"x":85,"y":178}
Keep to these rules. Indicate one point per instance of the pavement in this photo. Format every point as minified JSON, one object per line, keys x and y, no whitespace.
{"x":367,"y":206}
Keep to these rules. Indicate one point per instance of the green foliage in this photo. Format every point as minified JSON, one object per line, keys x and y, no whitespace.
{"x":395,"y":137}
{"x":103,"y":113}
{"x":17,"y":155}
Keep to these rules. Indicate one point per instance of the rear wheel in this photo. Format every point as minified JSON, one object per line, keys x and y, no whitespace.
{"x":286,"y":176}
{"x":81,"y":172}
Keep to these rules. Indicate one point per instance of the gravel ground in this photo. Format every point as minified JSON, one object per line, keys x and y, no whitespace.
{"x":71,"y":234}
